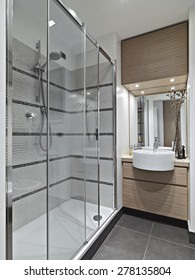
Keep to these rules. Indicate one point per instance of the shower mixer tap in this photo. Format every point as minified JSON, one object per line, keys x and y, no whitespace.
{"x":30,"y":115}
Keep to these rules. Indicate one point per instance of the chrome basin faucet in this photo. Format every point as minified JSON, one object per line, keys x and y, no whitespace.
{"x":155,"y":145}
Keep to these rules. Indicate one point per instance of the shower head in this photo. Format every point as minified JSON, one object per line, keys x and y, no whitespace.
{"x":55,"y":56}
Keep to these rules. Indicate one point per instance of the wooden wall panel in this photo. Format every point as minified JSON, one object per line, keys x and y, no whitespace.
{"x":155,"y":55}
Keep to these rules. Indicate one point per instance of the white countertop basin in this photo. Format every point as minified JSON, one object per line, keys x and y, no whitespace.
{"x":159,"y":160}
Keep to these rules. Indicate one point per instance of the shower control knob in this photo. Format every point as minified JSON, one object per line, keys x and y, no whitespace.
{"x":30,"y":115}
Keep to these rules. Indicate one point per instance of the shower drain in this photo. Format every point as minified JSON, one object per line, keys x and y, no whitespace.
{"x":97,"y":218}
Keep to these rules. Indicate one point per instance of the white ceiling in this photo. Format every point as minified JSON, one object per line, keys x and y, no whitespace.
{"x":129,"y":17}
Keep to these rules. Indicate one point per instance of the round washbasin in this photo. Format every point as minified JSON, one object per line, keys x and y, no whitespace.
{"x":160,"y":160}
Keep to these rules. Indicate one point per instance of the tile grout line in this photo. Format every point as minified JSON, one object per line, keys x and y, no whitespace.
{"x":136,"y":231}
{"x":179,"y":244}
{"x":150,"y":235}
{"x":148,"y":241}
{"x":101,"y":247}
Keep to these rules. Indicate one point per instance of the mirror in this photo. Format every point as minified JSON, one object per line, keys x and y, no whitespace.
{"x":155,"y":119}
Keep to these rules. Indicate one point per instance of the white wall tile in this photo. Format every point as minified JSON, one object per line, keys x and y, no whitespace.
{"x":61,"y":146}
{"x":92,"y":193}
{"x":78,"y":168}
{"x":78,"y":189}
{"x":106,"y":196}
{"x":92,"y":169}
{"x":106,"y":122}
{"x":23,"y":124}
{"x":106,"y":146}
{"x":29,"y":178}
{"x":59,"y":194}
{"x":77,"y":123}
{"x":27,"y":149}
{"x":25,"y":89}
{"x":106,"y":97}
{"x":29,"y":208}
{"x":77,"y":145}
{"x":59,"y":170}
{"x":106,"y":171}
{"x":56,"y":97}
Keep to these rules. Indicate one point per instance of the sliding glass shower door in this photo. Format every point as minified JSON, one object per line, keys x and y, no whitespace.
{"x":61,"y":120}
{"x":66,"y":126}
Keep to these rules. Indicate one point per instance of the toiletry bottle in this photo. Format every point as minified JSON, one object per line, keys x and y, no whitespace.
{"x":183,"y":152}
{"x":131,"y":150}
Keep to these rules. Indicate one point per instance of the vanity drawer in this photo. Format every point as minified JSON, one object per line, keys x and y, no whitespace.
{"x":176,"y":177}
{"x":156,"y":198}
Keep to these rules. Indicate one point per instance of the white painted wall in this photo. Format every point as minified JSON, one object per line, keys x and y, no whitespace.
{"x":192,"y":118}
{"x":104,"y":42}
{"x":188,"y":119}
{"x":2,"y":124}
{"x":109,"y":45}
{"x":122,"y":96}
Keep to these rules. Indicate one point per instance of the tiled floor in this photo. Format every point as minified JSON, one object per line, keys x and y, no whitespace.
{"x":135,"y":238}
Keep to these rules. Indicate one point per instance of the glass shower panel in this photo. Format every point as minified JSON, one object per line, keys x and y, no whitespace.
{"x":63,"y":123}
{"x":107,"y":134}
{"x":91,"y":140}
{"x":66,"y":200}
{"x":29,"y":160}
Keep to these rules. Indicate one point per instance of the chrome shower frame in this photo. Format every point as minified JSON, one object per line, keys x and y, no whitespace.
{"x":9,"y":82}
{"x":9,"y":90}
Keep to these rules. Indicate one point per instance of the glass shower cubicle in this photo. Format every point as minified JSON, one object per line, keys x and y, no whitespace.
{"x":60,"y":132}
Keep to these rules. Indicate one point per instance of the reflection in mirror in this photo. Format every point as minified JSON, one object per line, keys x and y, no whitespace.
{"x":140,"y":120}
{"x":155,"y":120}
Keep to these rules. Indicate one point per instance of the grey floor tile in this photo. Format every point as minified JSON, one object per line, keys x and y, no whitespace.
{"x":171,"y":233}
{"x":123,"y":244}
{"x":135,"y":223}
{"x":159,"y":249}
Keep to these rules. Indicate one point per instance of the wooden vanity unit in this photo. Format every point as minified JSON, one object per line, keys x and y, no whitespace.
{"x":159,"y":192}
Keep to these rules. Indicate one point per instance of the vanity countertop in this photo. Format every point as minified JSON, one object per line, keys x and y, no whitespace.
{"x":178,"y":162}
